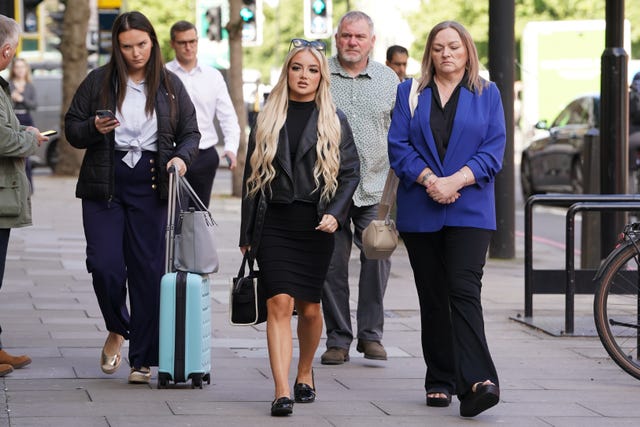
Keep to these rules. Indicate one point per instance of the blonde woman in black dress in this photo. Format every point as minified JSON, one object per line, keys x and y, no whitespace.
{"x":302,"y":171}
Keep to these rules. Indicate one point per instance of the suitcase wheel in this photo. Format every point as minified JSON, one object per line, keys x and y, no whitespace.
{"x":207,"y":378}
{"x":196,"y":381}
{"x":163,"y":379}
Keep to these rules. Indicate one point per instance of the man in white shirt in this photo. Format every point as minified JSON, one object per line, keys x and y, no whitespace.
{"x":210,"y":96}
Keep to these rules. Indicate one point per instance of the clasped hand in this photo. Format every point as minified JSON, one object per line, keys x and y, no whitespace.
{"x":443,"y":190}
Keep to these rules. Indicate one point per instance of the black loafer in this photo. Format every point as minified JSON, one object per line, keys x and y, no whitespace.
{"x":304,"y":393}
{"x":485,"y":396}
{"x":281,"y":407}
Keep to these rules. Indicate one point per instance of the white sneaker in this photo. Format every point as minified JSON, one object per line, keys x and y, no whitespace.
{"x":140,"y":375}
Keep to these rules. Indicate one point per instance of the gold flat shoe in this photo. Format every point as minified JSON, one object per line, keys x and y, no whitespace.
{"x":109,"y":363}
{"x":140,"y":375}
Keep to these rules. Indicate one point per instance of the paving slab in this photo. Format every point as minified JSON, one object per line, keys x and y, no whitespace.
{"x":48,"y":310}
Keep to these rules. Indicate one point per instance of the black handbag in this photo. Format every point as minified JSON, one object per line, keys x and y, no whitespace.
{"x":247,"y":300}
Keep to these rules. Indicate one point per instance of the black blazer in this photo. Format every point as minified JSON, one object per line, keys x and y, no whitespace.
{"x":291,"y":185}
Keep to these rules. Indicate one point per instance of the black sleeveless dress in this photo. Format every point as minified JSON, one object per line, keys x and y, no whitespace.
{"x":293,"y":257}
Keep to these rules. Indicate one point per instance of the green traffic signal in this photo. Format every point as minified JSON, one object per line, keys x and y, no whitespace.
{"x":247,"y":14}
{"x":319,"y":7}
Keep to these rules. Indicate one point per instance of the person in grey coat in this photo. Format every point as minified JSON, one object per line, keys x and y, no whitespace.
{"x":16,"y":143}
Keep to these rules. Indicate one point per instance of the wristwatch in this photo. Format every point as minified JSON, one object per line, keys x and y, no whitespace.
{"x":425,"y":178}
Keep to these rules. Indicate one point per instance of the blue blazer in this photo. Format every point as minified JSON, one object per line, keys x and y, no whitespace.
{"x":477,"y":140}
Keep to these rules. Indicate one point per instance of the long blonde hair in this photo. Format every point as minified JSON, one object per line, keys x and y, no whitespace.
{"x":12,"y":72}
{"x":476,"y":83}
{"x":271,"y":120}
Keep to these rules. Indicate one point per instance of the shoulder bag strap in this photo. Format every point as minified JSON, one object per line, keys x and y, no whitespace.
{"x":413,"y":96}
{"x":388,"y":196}
{"x":391,"y":184}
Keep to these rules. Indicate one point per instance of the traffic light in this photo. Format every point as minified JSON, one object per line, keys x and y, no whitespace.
{"x":251,"y":16}
{"x":30,"y":16}
{"x":56,"y":21}
{"x":317,"y":19}
{"x":213,"y":23}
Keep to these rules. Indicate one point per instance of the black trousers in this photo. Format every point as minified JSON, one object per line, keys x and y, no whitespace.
{"x":448,"y":267}
{"x":202,"y":172}
{"x":4,"y":245}
{"x":125,"y":253}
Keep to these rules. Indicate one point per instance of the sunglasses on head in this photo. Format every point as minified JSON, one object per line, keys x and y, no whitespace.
{"x":318,"y":45}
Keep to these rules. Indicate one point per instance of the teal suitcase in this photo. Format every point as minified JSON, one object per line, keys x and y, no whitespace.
{"x":185,"y":330}
{"x":185,"y":317}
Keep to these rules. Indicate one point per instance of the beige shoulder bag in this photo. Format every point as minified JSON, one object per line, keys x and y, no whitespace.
{"x":380,"y":237}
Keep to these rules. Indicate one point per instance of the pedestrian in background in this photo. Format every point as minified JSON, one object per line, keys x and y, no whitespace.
{"x":365,"y":90}
{"x":447,"y":155}
{"x":634,"y":101}
{"x":123,"y":183}
{"x":16,"y":143}
{"x":297,"y":189}
{"x":23,"y":96}
{"x":23,"y":93}
{"x":210,"y":96}
{"x":397,"y":58}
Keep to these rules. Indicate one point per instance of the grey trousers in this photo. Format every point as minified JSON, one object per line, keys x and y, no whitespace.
{"x":374,"y":275}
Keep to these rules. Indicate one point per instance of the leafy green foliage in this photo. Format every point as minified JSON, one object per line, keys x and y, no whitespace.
{"x":163,"y":14}
{"x":285,"y":21}
{"x":474,"y":15}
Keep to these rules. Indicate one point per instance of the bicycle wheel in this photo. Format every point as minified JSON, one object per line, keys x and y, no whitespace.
{"x":616,"y":308}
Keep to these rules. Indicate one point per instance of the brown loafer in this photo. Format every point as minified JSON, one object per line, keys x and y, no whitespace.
{"x":372,"y":350}
{"x":5,"y":369}
{"x":335,"y":356}
{"x":16,"y":362}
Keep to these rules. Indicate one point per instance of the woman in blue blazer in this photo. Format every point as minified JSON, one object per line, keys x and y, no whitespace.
{"x":447,"y":153}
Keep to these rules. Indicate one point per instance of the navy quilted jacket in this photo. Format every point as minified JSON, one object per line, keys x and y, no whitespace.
{"x":178,"y":136}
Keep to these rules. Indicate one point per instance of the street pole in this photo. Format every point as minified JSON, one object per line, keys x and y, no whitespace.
{"x":614,"y":123}
{"x":501,"y":69}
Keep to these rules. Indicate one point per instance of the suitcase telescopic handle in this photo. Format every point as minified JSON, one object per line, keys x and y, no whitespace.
{"x":171,"y":216}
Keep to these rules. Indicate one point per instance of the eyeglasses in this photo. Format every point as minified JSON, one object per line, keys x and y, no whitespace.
{"x":184,"y":43}
{"x":318,"y":45}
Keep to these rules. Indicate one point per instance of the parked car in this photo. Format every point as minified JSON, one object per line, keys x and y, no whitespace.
{"x":47,"y":116}
{"x":553,"y":162}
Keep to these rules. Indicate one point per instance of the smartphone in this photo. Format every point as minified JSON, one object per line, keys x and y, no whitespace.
{"x":106,"y":113}
{"x":49,"y":132}
{"x":228,"y":159}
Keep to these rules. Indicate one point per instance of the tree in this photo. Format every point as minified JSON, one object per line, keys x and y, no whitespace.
{"x":475,"y":17}
{"x":234,"y":28}
{"x":74,"y":69}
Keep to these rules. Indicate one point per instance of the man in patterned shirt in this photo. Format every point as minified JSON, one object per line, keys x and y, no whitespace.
{"x":365,"y":91}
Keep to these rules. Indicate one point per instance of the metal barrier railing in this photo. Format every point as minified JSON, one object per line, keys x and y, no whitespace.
{"x":578,"y":281}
